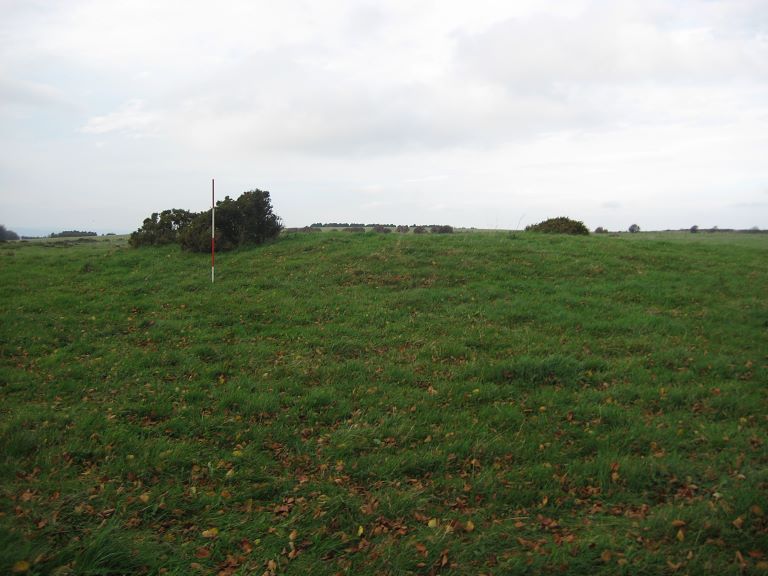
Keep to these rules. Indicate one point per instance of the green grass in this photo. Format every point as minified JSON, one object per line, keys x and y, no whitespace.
{"x":476,"y":403}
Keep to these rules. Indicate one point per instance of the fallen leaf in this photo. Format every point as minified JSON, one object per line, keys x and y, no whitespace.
{"x":674,"y":566}
{"x":144,"y":497}
{"x":202,"y":552}
{"x":605,"y":556}
{"x":210,"y":533}
{"x":738,"y":523}
{"x":433,"y":523}
{"x":678,"y":523}
{"x":469,"y":526}
{"x":26,"y":496}
{"x":680,"y":535}
{"x":20,"y":567}
{"x":444,"y":558}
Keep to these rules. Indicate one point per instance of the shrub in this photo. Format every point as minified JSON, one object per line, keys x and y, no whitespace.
{"x":634,"y":229}
{"x":6,"y":235}
{"x":381,"y":229}
{"x":419,"y":230}
{"x":247,"y":220}
{"x":560,"y":225}
{"x":601,"y":230}
{"x":163,"y":228}
{"x":444,"y":229}
{"x":403,"y":229}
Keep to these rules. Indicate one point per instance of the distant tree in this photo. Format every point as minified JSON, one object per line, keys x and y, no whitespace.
{"x":247,"y":220}
{"x":560,"y":225}
{"x":442,"y":229}
{"x":694,"y":229}
{"x":72,"y":234}
{"x":162,"y":228}
{"x":6,"y":234}
{"x":634,"y":229}
{"x":419,"y":229}
{"x":601,"y":230}
{"x":403,"y":229}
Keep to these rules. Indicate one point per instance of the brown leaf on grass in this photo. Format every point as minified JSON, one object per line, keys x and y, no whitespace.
{"x":680,"y":535}
{"x":675,"y":566}
{"x":678,"y":523}
{"x":202,"y":552}
{"x":606,"y":556}
{"x":421,"y":549}
{"x":443,"y":558}
{"x":211,"y":533}
{"x":740,"y":560}
{"x":738,"y":523}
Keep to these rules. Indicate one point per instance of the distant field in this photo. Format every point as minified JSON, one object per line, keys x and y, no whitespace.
{"x":472,"y":403}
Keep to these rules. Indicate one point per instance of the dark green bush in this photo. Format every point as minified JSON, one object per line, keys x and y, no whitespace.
{"x":247,"y":220}
{"x":561,"y":225}
{"x":162,"y":228}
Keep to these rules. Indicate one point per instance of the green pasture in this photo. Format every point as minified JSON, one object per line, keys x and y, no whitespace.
{"x":341,"y":403}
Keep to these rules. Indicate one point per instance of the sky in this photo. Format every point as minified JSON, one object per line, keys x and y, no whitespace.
{"x":486,"y":114}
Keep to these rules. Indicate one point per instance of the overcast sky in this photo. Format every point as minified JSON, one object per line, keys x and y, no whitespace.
{"x":490,"y":113}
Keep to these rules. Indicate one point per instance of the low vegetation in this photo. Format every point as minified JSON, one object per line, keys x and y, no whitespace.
{"x":248,"y":220}
{"x":561,"y":225}
{"x":485,"y":403}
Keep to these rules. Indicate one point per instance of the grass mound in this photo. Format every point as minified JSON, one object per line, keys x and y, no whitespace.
{"x":371,"y":404}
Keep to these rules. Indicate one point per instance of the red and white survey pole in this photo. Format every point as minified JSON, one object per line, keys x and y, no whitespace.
{"x":213,"y":232}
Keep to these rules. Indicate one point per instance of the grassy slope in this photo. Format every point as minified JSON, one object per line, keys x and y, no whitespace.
{"x":474,"y":403}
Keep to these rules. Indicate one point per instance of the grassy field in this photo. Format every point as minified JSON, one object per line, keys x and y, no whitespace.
{"x":337,"y":403}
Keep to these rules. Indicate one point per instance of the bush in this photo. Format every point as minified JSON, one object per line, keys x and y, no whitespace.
{"x":419,"y":230}
{"x":444,"y":229}
{"x":381,"y":229}
{"x":6,"y":235}
{"x":163,"y":228}
{"x":247,"y":220}
{"x":601,"y":230}
{"x":561,"y":225}
{"x":403,"y":229}
{"x":634,"y":229}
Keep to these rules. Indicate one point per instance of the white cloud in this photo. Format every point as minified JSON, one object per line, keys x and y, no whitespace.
{"x":499,"y":108}
{"x":132,"y":118}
